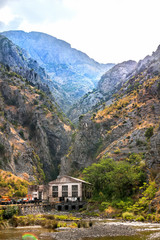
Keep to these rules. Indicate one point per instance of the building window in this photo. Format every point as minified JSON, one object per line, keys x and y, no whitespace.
{"x":65,"y":191}
{"x":54,"y":191}
{"x":74,"y":190}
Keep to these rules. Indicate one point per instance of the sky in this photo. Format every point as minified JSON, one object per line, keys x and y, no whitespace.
{"x":109,"y":31}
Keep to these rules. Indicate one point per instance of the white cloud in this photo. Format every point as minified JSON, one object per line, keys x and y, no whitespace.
{"x":3,"y":3}
{"x":6,"y":15}
{"x":107,"y":30}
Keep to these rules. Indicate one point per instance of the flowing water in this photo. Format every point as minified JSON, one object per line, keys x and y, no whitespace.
{"x":17,"y":233}
{"x":145,"y":231}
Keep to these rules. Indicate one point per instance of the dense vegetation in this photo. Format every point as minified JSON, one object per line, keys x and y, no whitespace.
{"x":116,"y":180}
{"x":9,"y":216}
{"x":120,"y":188}
{"x":12,"y":185}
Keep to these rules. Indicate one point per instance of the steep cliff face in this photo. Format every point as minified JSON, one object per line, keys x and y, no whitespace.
{"x":34,"y":135}
{"x":129,"y":125}
{"x":72,"y":72}
{"x":109,"y":83}
{"x":115,"y":76}
{"x":18,"y":61}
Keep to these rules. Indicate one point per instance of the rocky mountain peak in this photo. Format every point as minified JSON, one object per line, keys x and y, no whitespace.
{"x":72,"y":72}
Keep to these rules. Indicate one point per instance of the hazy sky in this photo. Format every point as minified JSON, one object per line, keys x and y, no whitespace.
{"x":107,"y":30}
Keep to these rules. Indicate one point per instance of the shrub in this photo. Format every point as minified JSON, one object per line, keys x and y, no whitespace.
{"x":61,"y":224}
{"x":123,"y":204}
{"x":140,"y":218}
{"x":149,"y":132}
{"x":128,"y":216}
{"x":21,"y":133}
{"x":150,"y":190}
{"x":117,"y":151}
{"x":9,"y":212}
{"x":140,"y":143}
{"x":149,"y":217}
{"x":105,"y":205}
{"x":148,"y":193}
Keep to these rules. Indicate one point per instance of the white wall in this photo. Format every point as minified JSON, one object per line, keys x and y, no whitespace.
{"x":69,"y":190}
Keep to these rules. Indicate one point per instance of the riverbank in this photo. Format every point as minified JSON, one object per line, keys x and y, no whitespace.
{"x":98,"y":230}
{"x":101,"y":229}
{"x":132,"y":230}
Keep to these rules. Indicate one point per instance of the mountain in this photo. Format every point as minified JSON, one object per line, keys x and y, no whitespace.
{"x":109,"y":83}
{"x":37,"y":139}
{"x":18,"y":61}
{"x":72,"y":72}
{"x":128,"y":128}
{"x":115,"y":77}
{"x":34,"y":133}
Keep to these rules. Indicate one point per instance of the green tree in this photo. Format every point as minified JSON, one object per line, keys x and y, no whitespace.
{"x":9,"y":212}
{"x":116,"y":180}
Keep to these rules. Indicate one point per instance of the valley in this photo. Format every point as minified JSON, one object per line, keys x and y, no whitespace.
{"x":72,"y":73}
{"x":109,"y":136}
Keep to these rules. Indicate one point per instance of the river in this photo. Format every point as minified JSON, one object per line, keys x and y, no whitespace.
{"x":17,"y":233}
{"x":144,"y":231}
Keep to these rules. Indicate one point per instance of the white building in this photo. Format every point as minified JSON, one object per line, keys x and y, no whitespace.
{"x":66,"y":188}
{"x":63,"y":189}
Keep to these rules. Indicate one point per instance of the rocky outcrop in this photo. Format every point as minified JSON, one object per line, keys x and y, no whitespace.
{"x":115,"y":76}
{"x":34,"y":135}
{"x":18,"y":61}
{"x":109,"y":83}
{"x":72,"y":72}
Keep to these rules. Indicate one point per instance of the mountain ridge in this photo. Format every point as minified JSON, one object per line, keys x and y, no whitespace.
{"x":72,"y":70}
{"x":29,"y":117}
{"x":128,"y":126}
{"x":109,"y":83}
